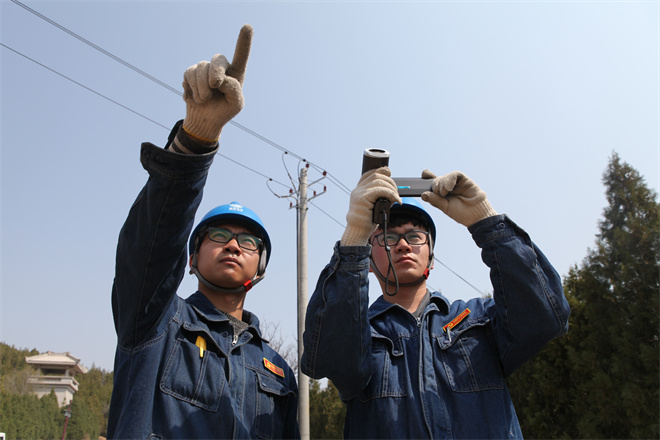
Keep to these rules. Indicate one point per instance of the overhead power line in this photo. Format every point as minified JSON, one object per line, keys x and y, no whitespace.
{"x":100,"y":49}
{"x":172,"y":89}
{"x":250,"y":169}
{"x":127,"y":108}
{"x":460,"y":277}
{"x":328,"y":215}
{"x":85,"y":87}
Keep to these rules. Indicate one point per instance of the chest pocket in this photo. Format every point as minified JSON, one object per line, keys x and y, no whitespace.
{"x":272,"y":402}
{"x":470,"y":359}
{"x":198,"y":380}
{"x":388,"y":374}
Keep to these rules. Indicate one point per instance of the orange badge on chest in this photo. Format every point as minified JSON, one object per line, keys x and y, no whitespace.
{"x":454,"y":322}
{"x":274,"y":368}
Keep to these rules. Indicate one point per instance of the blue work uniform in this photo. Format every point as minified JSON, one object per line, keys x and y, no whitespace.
{"x":179,"y":370}
{"x":440,"y":374}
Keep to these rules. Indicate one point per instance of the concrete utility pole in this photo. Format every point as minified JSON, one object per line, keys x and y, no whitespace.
{"x":301,"y":207}
{"x":303,"y":381}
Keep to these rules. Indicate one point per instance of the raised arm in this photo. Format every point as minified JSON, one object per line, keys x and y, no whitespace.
{"x":151,"y":252}
{"x":529,"y":304}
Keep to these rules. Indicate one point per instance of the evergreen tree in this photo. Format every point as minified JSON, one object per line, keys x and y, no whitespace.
{"x":23,"y":415}
{"x":601,"y":380}
{"x":82,"y":423}
{"x":94,"y":393}
{"x":326,"y":411}
{"x":14,"y":371}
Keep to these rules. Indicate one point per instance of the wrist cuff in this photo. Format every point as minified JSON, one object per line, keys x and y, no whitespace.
{"x":185,"y":143}
{"x":356,"y":236}
{"x":199,"y":139}
{"x":480,"y":212}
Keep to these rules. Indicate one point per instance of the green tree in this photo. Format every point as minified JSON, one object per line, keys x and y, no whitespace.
{"x":602,"y":379}
{"x":94,"y":393}
{"x":22,"y":414}
{"x":14,"y":371}
{"x":12,"y":357}
{"x":326,"y":411}
{"x":83,"y":424}
{"x":25,"y":416}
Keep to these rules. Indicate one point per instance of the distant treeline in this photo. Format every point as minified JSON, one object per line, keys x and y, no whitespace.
{"x":24,"y":416}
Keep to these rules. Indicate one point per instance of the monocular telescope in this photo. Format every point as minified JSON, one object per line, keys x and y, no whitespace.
{"x":407,"y":186}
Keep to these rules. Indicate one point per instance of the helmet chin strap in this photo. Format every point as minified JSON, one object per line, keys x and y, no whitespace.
{"x":246,"y":286}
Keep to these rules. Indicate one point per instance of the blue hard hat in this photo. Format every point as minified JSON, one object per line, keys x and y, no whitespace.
{"x":234,"y":212}
{"x":412,"y":206}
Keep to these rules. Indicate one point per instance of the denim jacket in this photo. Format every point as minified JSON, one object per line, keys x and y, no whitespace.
{"x":166,"y":383}
{"x":442,"y":375}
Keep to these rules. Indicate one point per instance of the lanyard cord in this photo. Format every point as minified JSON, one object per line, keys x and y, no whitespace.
{"x":390,"y":267}
{"x":381,"y":212}
{"x":380,"y":216}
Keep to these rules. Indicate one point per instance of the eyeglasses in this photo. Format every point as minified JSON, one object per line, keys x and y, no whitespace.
{"x":245,"y":241}
{"x":413,"y":238}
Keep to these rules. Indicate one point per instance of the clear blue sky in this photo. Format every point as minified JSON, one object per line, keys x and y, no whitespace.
{"x":528,"y":98}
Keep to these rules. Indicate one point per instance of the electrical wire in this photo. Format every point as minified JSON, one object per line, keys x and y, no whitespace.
{"x":225,"y":157}
{"x":328,"y":215}
{"x":340,"y":185}
{"x":100,"y":49}
{"x":269,"y":179}
{"x":330,"y":177}
{"x":460,"y":277}
{"x":85,"y":87}
{"x":129,"y":109}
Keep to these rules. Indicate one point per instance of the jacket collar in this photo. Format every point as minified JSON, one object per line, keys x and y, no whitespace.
{"x":210,"y":314}
{"x":380,"y":306}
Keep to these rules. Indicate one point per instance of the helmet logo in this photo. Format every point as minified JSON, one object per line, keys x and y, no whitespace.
{"x":235,"y":207}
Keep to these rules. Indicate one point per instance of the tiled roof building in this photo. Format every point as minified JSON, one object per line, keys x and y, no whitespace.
{"x":56,"y":371}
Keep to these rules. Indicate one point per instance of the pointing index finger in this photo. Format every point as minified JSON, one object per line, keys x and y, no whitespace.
{"x":241,"y":54}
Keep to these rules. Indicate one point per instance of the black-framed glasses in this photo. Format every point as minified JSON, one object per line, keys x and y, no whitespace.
{"x":246,"y":241}
{"x":413,"y":238}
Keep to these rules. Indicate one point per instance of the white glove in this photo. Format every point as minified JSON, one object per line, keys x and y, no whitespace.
{"x":213,"y":91}
{"x":459,"y":197}
{"x":372,"y":185}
